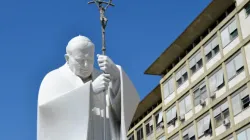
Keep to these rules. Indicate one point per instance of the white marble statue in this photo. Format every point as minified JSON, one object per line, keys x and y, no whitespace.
{"x":71,"y":98}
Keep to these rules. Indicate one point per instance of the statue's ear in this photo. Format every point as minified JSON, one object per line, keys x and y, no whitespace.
{"x":66,"y":56}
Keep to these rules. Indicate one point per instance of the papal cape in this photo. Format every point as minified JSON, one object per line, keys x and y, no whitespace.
{"x":69,"y":110}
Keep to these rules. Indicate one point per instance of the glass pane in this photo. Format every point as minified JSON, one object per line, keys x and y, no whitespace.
{"x":219,"y":78}
{"x":242,"y":136}
{"x":171,"y":85}
{"x":232,"y":27}
{"x":200,"y":126}
{"x":166,"y":89}
{"x":188,"y":103}
{"x":225,"y":37}
{"x":248,"y":133}
{"x":208,"y":48}
{"x":218,"y":121}
{"x":215,"y":42}
{"x":238,"y":61}
{"x":182,"y":107}
{"x":230,"y":70}
{"x":236,"y":104}
{"x":169,"y":116}
{"x":212,"y":83}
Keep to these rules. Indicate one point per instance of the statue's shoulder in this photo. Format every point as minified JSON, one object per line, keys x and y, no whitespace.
{"x":52,"y":77}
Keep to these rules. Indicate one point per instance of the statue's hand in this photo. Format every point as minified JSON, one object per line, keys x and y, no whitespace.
{"x":108,"y":66}
{"x":101,"y":83}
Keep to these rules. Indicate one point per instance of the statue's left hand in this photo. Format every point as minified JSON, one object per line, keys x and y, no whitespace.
{"x":108,"y":66}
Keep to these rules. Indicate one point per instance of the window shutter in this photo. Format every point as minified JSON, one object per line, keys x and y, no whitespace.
{"x":225,"y":37}
{"x":219,"y":78}
{"x":171,"y":85}
{"x":188,"y":103}
{"x":178,"y":75}
{"x":191,"y":132}
{"x":215,"y":42}
{"x":230,"y":70}
{"x":200,"y":126}
{"x":236,"y":104}
{"x":243,"y":93}
{"x":159,"y":118}
{"x":169,"y":116}
{"x":238,"y":62}
{"x":207,"y":48}
{"x":232,"y":27}
{"x":182,"y":107}
{"x":198,"y":57}
{"x":217,"y":111}
{"x":212,"y":83}
{"x":192,"y":62}
{"x":206,"y":123}
{"x":224,"y":106}
{"x":174,"y":114}
{"x":166,"y":89}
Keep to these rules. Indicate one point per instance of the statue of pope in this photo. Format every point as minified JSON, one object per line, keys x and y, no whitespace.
{"x":71,"y":98}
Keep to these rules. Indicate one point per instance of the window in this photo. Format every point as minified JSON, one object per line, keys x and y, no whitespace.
{"x":140,"y":134}
{"x":189,"y":134}
{"x":171,"y":115}
{"x":216,"y":81}
{"x":168,"y":87}
{"x":235,"y":66}
{"x":181,"y":76}
{"x":162,"y":138}
{"x":149,"y":127}
{"x":247,"y":8}
{"x":185,"y":105}
{"x":240,"y":101}
{"x":131,"y":137}
{"x":158,"y":119}
{"x":200,"y":93}
{"x":244,"y":135}
{"x":229,"y":33}
{"x":220,"y":114}
{"x":204,"y":126}
{"x":212,"y":48}
{"x":195,"y":63}
{"x":176,"y":137}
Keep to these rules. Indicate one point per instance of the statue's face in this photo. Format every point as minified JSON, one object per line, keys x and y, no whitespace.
{"x":81,"y":61}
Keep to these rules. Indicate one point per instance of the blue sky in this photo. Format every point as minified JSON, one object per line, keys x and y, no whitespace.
{"x":34,"y":34}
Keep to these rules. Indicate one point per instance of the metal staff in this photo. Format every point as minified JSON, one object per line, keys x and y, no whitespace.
{"x":102,"y":6}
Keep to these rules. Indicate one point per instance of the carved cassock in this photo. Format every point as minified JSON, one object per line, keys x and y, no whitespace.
{"x":68,"y":109}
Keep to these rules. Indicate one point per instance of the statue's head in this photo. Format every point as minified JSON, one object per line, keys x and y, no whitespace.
{"x":80,"y":56}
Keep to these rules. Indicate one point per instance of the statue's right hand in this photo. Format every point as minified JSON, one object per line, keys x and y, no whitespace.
{"x":101,"y":83}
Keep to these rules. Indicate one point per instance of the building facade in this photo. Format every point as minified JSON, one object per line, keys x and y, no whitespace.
{"x":205,"y":86}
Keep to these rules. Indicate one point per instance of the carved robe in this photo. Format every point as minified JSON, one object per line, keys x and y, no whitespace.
{"x":69,"y":110}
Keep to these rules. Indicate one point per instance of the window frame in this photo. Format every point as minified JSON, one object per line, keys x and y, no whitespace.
{"x":246,"y":131}
{"x":157,"y":115}
{"x":183,"y":78}
{"x":202,"y":121}
{"x":141,"y":133}
{"x":151,"y":127}
{"x":202,"y":93}
{"x":221,"y":114}
{"x":226,"y":27}
{"x":242,"y":69}
{"x":131,"y":137}
{"x":168,"y":84}
{"x":238,"y":93}
{"x":184,"y":100}
{"x":173,"y":119}
{"x":214,"y":76}
{"x":212,"y":49}
{"x":196,"y":64}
